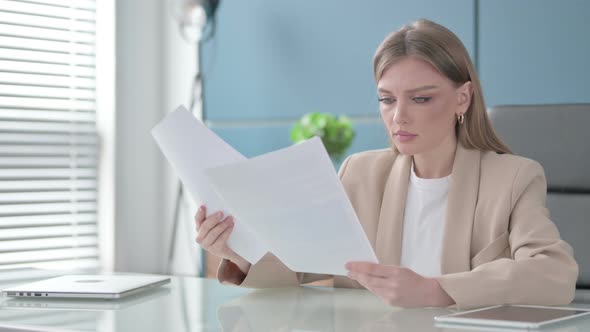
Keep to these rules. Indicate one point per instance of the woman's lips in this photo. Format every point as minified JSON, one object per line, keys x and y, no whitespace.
{"x":404,"y":136}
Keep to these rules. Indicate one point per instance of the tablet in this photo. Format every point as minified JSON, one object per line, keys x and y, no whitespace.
{"x":517,"y":316}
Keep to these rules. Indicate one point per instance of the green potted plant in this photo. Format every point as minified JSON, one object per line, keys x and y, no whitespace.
{"x":335,"y":132}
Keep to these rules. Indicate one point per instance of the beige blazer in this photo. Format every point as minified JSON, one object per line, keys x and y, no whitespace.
{"x":499,"y":245}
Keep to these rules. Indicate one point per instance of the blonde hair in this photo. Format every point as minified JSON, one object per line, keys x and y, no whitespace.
{"x":441,"y":48}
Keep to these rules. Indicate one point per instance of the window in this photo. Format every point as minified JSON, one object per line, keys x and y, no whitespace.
{"x":48,"y":138}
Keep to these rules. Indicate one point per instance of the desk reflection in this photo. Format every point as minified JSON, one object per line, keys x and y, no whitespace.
{"x":320,"y":309}
{"x":193,"y":304}
{"x":56,"y":314}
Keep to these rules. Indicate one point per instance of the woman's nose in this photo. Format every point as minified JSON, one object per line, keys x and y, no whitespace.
{"x":400,"y":114}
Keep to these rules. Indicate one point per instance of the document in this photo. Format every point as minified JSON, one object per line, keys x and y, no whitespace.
{"x":293,"y":199}
{"x":290,"y":201}
{"x":191,"y":147}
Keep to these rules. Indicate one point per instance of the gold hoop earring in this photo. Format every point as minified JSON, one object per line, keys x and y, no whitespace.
{"x":461,"y":119}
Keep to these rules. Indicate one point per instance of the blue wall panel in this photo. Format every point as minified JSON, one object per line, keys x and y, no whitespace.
{"x":282,"y":58}
{"x":255,"y":140}
{"x":535,"y":51}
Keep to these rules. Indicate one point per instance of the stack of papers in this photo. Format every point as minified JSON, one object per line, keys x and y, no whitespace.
{"x":289,"y":202}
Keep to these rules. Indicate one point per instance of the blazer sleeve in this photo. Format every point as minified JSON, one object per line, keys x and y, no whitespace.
{"x":541,"y":270}
{"x":269,"y":271}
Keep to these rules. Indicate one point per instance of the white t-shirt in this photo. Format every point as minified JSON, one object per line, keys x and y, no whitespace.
{"x":424,"y":220}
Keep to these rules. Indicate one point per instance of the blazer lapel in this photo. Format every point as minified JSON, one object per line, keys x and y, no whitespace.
{"x":462,"y":199}
{"x":388,"y":244}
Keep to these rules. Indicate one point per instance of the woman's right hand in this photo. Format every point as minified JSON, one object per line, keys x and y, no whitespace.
{"x":213,"y":231}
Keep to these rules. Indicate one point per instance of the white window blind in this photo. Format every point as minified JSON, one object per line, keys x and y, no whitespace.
{"x":48,"y":139}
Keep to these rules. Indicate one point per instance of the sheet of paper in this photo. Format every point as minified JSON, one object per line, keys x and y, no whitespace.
{"x":294,"y":201}
{"x":191,"y":147}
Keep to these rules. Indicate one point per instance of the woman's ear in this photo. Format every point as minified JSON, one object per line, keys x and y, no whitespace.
{"x":464,"y":94}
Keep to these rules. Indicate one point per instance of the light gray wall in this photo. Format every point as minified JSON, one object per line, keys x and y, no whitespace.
{"x":138,"y":185}
{"x":154,"y":71}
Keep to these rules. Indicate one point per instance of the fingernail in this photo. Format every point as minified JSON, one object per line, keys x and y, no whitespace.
{"x":230,"y":219}
{"x":219,"y":214}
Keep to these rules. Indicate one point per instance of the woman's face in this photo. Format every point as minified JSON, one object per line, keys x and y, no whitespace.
{"x":419,"y":106}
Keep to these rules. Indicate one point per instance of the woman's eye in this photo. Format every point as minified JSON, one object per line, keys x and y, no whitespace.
{"x":421,"y":100}
{"x":386,"y":100}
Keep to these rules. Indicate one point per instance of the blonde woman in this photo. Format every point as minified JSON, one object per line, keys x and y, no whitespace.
{"x":453,"y":216}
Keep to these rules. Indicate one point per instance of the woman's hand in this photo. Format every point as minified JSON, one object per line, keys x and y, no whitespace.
{"x":399,"y":286}
{"x":213,"y":231}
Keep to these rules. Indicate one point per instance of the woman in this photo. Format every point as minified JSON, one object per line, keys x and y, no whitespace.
{"x":453,"y":216}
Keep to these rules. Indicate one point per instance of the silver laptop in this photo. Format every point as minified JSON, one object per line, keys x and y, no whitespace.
{"x":87,"y":286}
{"x":80,"y":304}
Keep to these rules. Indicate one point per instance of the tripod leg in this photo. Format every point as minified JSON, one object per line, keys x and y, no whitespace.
{"x":177,"y":203}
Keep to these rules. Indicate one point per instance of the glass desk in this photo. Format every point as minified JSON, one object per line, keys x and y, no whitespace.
{"x":194,"y":304}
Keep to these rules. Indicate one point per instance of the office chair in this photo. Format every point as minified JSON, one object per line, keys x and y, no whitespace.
{"x":558,"y":137}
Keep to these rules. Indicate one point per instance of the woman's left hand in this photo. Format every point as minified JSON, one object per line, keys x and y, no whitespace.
{"x":399,"y":286}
